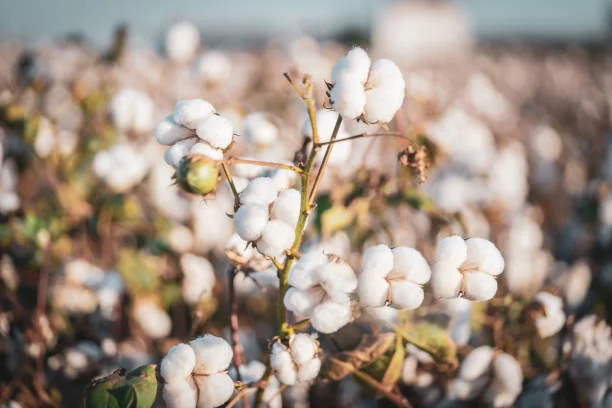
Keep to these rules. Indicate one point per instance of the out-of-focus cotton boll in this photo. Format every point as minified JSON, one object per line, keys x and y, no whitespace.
{"x":45,"y":141}
{"x":132,"y":110}
{"x":468,"y":142}
{"x":258,"y":129}
{"x":168,"y":131}
{"x":282,"y":178}
{"x":466,"y":268}
{"x":297,"y":364}
{"x":9,"y":200}
{"x":121,"y":167}
{"x":547,"y":143}
{"x":178,"y":363}
{"x":460,"y":311}
{"x":109,"y":293}
{"x":166,"y":197}
{"x":73,"y":299}
{"x":410,"y":371}
{"x":260,"y":190}
{"x":78,"y":359}
{"x":454,"y":192}
{"x":180,"y":238}
{"x":393,"y":277}
{"x":508,"y":177}
{"x":589,"y":353}
{"x":80,"y":272}
{"x":152,"y":319}
{"x":276,"y":237}
{"x":216,"y":130}
{"x":287,"y":207}
{"x":552,"y":318}
{"x":250,"y":221}
{"x":326,"y":122}
{"x":212,"y":228}
{"x":199,"y":278}
{"x":507,"y":381}
{"x":182,"y":41}
{"x":483,"y":95}
{"x":190,"y":112}
{"x":253,"y":372}
{"x":575,"y":284}
{"x":215,"y":67}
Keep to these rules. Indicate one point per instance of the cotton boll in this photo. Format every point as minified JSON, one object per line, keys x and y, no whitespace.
{"x":446,"y":279}
{"x":373,"y":290}
{"x":303,"y":348}
{"x":259,"y":130}
{"x":180,"y":394}
{"x":215,"y":67}
{"x":479,"y":286}
{"x":189,"y":113}
{"x":385,"y":74}
{"x":303,"y":275}
{"x":406,"y":295}
{"x":260,"y":190}
{"x":508,"y":373}
{"x":207,"y":150}
{"x":276,"y":237}
{"x":213,"y":354}
{"x":303,"y":302}
{"x":168,"y":132}
{"x":178,"y":363}
{"x":282,"y":363}
{"x":378,"y":260}
{"x":329,"y":317}
{"x":476,"y":364}
{"x":199,"y":278}
{"x":287,"y":207}
{"x":410,"y":263}
{"x":355,"y":127}
{"x":452,"y":249}
{"x":356,"y":62}
{"x":348,"y":96}
{"x":553,"y":318}
{"x":153,"y":320}
{"x":337,"y":276}
{"x":45,"y":140}
{"x":326,"y":123}
{"x":216,"y":130}
{"x":250,"y":221}
{"x":180,"y":238}
{"x":215,"y":390}
{"x":132,"y":110}
{"x":483,"y":253}
{"x":177,"y":151}
{"x":382,"y":104}
{"x":182,"y":41}
{"x":310,"y":370}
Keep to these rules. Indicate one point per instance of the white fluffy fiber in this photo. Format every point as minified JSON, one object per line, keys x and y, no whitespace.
{"x":213,"y":354}
{"x":216,"y":130}
{"x":326,"y":122}
{"x":205,"y":149}
{"x":250,"y":221}
{"x":385,"y":93}
{"x":121,"y":167}
{"x":260,"y":190}
{"x":153,"y":320}
{"x":199,"y":278}
{"x":182,"y":41}
{"x":258,"y":129}
{"x":180,"y":394}
{"x":276,"y":237}
{"x":190,"y":112}
{"x":466,"y":268}
{"x":286,"y":207}
{"x":356,"y":62}
{"x":215,"y":390}
{"x":297,"y":364}
{"x":320,"y":290}
{"x":168,"y":131}
{"x":553,"y":319}
{"x":393,"y":277}
{"x":178,"y":363}
{"x":132,"y":110}
{"x":253,"y":372}
{"x":175,"y":153}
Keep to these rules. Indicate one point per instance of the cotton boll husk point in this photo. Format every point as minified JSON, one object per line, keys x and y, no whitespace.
{"x":276,"y":237}
{"x":178,"y":363}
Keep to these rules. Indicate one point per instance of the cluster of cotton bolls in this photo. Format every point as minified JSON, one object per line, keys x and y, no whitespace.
{"x":298,"y":362}
{"x":194,"y":128}
{"x":320,"y":289}
{"x":121,"y":167}
{"x":195,"y":374}
{"x":372,"y":92}
{"x":266,"y":217}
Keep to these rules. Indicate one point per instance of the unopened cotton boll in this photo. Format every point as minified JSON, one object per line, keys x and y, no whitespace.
{"x":276,"y":237}
{"x":178,"y":363}
{"x":180,"y":394}
{"x":553,"y":318}
{"x":168,"y":132}
{"x":213,"y":354}
{"x":259,"y":130}
{"x":286,"y":207}
{"x":216,"y":130}
{"x":250,"y":221}
{"x":260,"y":190}
{"x":189,"y":113}
{"x":153,"y":320}
{"x":182,"y":41}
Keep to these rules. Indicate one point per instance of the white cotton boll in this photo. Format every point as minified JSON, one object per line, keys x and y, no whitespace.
{"x":45,"y":140}
{"x":215,"y":390}
{"x":282,"y":363}
{"x":215,"y":67}
{"x":373,"y":290}
{"x":382,"y":104}
{"x":384,"y":73}
{"x":168,"y":132}
{"x":329,"y":317}
{"x":476,"y":364}
{"x":109,"y":293}
{"x":356,"y":62}
{"x":310,"y":370}
{"x":348,"y":96}
{"x":337,"y":276}
{"x":287,"y":206}
{"x":283,"y":179}
{"x":182,"y":41}
{"x":199,"y":278}
{"x":303,"y":348}
{"x":507,"y":373}
{"x":466,"y":390}
{"x":377,"y":259}
{"x":178,"y":363}
{"x":303,"y":302}
{"x":304,"y":274}
{"x":213,"y":354}
{"x":406,"y":295}
{"x":479,"y":286}
{"x":190,"y":112}
{"x":259,"y":130}
{"x":460,"y":328}
{"x":9,"y":202}
{"x":177,"y":151}
{"x":326,"y":122}
{"x":250,"y":221}
{"x":153,"y":320}
{"x":260,"y":190}
{"x":485,"y":254}
{"x":411,"y":265}
{"x":553,"y":319}
{"x":132,"y":110}
{"x":452,"y":249}
{"x":81,"y":272}
{"x":446,"y":279}
{"x":275,"y":239}
{"x":207,"y":150}
{"x":180,"y":394}
{"x":216,"y":130}
{"x":355,"y":127}
{"x":180,"y":238}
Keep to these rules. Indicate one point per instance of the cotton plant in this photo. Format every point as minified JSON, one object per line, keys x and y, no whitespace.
{"x":298,"y":362}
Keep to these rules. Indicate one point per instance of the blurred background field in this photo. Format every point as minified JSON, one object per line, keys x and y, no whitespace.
{"x":102,"y":255}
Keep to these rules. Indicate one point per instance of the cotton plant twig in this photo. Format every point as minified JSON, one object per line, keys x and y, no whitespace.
{"x":237,"y":160}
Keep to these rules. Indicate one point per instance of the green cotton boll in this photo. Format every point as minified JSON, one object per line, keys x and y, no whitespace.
{"x":197,"y":174}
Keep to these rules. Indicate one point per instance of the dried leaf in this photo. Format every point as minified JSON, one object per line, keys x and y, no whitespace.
{"x":433,"y":340}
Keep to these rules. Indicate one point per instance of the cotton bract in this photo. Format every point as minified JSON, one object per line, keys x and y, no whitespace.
{"x":393,"y":277}
{"x":466,"y":268}
{"x":320,"y":290}
{"x":297,"y":363}
{"x":372,"y":92}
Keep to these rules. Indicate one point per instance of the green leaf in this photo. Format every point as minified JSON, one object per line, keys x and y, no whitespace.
{"x":433,"y":340}
{"x":97,"y":393}
{"x":136,"y":390}
{"x":143,"y":382}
